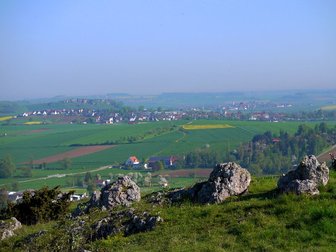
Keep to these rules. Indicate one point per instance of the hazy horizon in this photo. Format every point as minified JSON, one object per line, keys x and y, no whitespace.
{"x":83,"y":48}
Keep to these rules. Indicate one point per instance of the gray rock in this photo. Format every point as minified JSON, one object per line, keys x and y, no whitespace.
{"x":226,"y":180}
{"x":95,"y":199}
{"x":123,"y":192}
{"x":302,"y":186}
{"x":306,"y":178}
{"x":126,"y":222}
{"x":8,"y":227}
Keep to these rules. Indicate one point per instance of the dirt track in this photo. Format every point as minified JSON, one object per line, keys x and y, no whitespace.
{"x":324,"y":157}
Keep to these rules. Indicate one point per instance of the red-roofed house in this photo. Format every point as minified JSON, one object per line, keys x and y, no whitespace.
{"x":132,"y":161}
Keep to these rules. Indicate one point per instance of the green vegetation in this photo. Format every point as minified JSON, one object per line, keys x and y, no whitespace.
{"x":262,"y":220}
{"x":7,"y":167}
{"x":26,"y":143}
{"x":41,"y":206}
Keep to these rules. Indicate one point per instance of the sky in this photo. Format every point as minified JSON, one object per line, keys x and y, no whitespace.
{"x":90,"y":47}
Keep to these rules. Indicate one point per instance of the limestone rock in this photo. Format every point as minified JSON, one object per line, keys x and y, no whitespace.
{"x":306,"y":178}
{"x":127,"y":222}
{"x":7,"y":227}
{"x":227,"y":179}
{"x":302,"y":186}
{"x":122,"y":192}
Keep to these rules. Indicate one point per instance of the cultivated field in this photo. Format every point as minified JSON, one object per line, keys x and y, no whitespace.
{"x":89,"y":146}
{"x":5,"y":118}
{"x":329,"y":107}
{"x":78,"y":152}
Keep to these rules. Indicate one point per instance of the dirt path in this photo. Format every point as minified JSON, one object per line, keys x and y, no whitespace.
{"x":323,"y":157}
{"x":65,"y":174}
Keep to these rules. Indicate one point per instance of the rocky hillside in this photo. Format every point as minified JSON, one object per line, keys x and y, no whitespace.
{"x":229,"y":212}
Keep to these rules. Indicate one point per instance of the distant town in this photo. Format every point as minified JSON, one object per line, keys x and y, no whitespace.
{"x":106,"y":111}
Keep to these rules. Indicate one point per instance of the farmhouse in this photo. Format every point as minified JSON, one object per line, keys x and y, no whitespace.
{"x":132,"y":161}
{"x":168,"y":161}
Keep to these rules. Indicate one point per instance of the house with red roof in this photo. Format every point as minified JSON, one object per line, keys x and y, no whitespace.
{"x":132,"y":161}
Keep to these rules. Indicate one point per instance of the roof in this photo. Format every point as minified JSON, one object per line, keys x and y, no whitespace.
{"x":133,"y":158}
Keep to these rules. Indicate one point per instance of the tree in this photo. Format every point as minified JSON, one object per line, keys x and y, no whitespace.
{"x":44,"y":205}
{"x":158,"y":166}
{"x":98,"y":176}
{"x":3,"y":198}
{"x":7,"y":167}
{"x":15,"y":186}
{"x":148,"y":179}
{"x":91,"y":187}
{"x":66,"y":163}
{"x":333,"y":160}
{"x":26,"y":172}
{"x":87,"y":178}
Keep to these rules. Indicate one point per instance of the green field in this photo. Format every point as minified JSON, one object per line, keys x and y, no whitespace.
{"x":32,"y":142}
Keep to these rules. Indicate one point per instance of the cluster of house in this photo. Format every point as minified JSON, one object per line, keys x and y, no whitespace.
{"x":16,"y":197}
{"x":151,"y":163}
{"x":101,"y":117}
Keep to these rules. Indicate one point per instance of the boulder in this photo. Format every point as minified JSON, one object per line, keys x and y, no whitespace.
{"x":306,"y":177}
{"x":302,"y":186}
{"x":227,"y":179}
{"x":123,"y":192}
{"x":7,"y":227}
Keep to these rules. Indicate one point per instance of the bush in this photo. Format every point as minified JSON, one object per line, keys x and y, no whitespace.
{"x":39,"y":206}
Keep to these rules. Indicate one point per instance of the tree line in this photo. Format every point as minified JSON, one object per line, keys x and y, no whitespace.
{"x":267,"y":153}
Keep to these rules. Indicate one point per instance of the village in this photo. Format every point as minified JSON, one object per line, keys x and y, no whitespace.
{"x":78,"y":111}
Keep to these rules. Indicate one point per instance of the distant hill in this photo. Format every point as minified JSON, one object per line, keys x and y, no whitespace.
{"x":304,"y":100}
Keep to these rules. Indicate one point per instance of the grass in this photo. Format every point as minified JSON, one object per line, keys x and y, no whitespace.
{"x":261,"y":220}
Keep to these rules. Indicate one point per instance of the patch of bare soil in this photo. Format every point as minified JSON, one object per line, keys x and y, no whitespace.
{"x":81,"y":151}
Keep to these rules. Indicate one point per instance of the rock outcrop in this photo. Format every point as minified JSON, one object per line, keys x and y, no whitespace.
{"x":227,"y":179}
{"x":126,"y":222}
{"x":8,"y":227}
{"x":122,"y":192}
{"x":306,"y":178}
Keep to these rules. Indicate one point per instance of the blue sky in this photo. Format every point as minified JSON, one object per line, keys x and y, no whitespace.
{"x":88,"y":47}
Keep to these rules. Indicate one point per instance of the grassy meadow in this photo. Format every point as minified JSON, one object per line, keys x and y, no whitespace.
{"x":261,"y":220}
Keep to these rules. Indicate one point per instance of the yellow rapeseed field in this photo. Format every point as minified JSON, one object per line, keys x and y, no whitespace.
{"x":206,"y":126}
{"x":5,"y":118}
{"x":329,"y":107}
{"x":33,"y":123}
